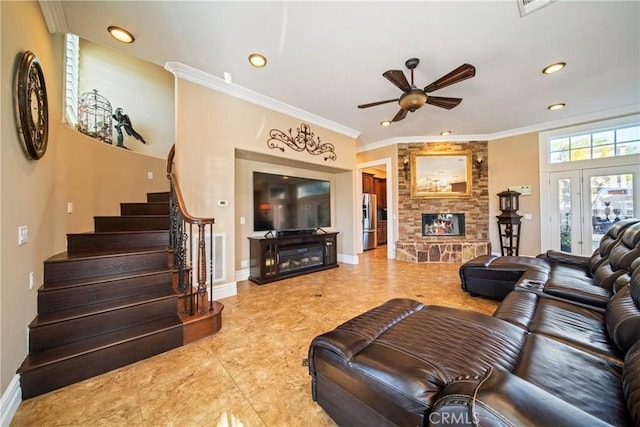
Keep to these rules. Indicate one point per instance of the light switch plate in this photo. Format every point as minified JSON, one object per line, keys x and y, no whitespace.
{"x":524,"y":190}
{"x":23,"y":234}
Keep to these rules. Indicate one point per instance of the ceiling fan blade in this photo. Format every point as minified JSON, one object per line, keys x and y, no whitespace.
{"x":373,"y":104}
{"x":400,"y":115}
{"x":463,"y":72}
{"x":443,"y":102}
{"x":397,"y":78}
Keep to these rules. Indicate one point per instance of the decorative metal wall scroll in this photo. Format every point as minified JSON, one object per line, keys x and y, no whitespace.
{"x":304,"y":140}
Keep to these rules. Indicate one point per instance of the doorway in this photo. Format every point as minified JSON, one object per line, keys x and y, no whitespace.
{"x":384,"y":164}
{"x":588,"y":202}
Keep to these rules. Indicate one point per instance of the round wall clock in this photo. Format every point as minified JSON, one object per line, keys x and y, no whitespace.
{"x":31,"y":109}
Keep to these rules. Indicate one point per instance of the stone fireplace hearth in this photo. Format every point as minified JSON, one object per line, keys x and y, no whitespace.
{"x":455,"y":251}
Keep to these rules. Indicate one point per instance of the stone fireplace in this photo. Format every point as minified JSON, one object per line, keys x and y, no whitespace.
{"x":426,"y":225}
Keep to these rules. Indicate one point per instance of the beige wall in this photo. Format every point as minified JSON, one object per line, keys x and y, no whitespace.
{"x":514,"y":161}
{"x":28,"y":188}
{"x":92,"y":175}
{"x":210,"y":127}
{"x":142,"y":89}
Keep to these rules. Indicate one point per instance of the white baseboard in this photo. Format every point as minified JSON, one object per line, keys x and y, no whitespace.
{"x":10,"y":401}
{"x":242,"y":275}
{"x":348,"y":259}
{"x":225,"y":290}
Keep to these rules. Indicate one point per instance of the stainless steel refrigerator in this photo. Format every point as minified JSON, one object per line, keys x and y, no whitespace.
{"x":369,"y":220}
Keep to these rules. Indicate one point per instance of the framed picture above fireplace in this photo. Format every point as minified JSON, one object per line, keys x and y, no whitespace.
{"x":440,"y":175}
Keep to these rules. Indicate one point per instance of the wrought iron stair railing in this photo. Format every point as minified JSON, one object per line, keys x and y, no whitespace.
{"x":182,"y":239}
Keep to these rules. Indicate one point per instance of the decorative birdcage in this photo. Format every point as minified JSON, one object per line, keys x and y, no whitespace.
{"x":95,"y":116}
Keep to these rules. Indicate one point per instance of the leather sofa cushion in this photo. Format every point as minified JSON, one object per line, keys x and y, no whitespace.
{"x":623,"y":313}
{"x":521,"y":262}
{"x":569,"y":323}
{"x":410,"y":358}
{"x":580,"y":378}
{"x":631,"y":236}
{"x":578,"y":289}
{"x":631,"y":382}
{"x":502,"y":399}
{"x":518,"y":308}
{"x":576,"y":326}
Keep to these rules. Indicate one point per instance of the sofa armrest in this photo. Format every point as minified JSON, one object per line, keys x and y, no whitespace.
{"x":566,"y":258}
{"x":500,"y":398}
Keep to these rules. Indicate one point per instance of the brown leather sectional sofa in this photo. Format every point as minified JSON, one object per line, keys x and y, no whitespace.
{"x":543,"y":358}
{"x":563,"y":274}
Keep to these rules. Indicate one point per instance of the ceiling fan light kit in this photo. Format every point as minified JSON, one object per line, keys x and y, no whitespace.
{"x":414,"y":98}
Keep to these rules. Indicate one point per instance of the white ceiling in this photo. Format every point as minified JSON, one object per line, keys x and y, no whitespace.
{"x":327,"y":57}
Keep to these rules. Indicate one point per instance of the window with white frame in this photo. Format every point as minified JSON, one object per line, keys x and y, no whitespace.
{"x":598,"y":144}
{"x":71,"y":71}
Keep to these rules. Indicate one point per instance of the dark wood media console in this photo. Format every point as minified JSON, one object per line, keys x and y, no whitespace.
{"x":276,"y":258}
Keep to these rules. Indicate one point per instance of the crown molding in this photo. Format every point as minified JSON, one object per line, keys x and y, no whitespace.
{"x":539,"y":127}
{"x":53,"y":14}
{"x":194,"y":75}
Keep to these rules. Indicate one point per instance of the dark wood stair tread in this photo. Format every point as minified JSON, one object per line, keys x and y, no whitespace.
{"x":104,"y":278}
{"x":47,"y":319}
{"x":66,"y":256}
{"x":115,"y":233}
{"x":75,"y":349}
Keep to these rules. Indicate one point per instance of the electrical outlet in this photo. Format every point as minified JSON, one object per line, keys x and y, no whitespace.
{"x":32,"y":279}
{"x":69,"y":207}
{"x":242,"y":220}
{"x":149,"y":175}
{"x":244,"y":263}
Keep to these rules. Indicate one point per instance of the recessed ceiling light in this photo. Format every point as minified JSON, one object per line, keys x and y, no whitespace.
{"x":445,"y":132}
{"x":121,"y":34}
{"x":257,"y":60}
{"x":556,"y":106}
{"x":385,"y":123}
{"x":553,"y":68}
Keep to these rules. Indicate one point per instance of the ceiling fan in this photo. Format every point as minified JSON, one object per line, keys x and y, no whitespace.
{"x":413,"y":98}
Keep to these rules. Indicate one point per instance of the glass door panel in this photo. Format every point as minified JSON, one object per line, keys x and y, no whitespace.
{"x":566,"y":226}
{"x":611,"y":199}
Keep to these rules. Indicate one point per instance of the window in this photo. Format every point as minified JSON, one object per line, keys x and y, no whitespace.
{"x":595,"y":145}
{"x":71,"y":71}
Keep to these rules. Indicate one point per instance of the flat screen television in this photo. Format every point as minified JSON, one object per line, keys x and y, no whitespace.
{"x":284,"y":202}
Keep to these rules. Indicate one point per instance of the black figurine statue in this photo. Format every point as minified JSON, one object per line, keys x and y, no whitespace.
{"x":124,"y":122}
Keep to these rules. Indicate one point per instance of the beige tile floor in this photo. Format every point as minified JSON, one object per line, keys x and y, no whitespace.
{"x":251,"y":372}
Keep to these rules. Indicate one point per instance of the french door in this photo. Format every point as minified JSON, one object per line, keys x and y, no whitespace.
{"x":587,"y":202}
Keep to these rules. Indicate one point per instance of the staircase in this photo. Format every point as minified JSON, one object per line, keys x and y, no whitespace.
{"x":110,"y":300}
